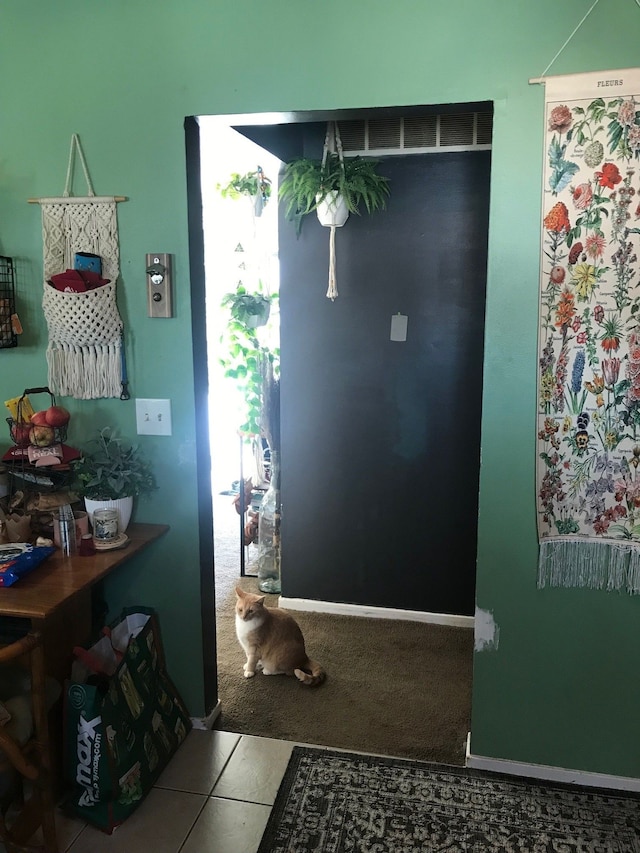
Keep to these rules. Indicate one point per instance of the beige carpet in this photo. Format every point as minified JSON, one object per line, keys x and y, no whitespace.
{"x":393,"y":687}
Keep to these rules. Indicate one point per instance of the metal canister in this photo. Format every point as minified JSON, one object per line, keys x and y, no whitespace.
{"x":105,"y":525}
{"x":67,"y":526}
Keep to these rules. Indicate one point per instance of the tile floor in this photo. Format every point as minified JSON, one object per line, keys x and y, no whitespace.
{"x":214,"y":797}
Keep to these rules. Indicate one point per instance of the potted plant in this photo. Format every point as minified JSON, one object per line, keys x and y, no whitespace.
{"x":249,"y":309}
{"x":308,"y":185}
{"x":253,"y":185}
{"x":110,"y":474}
{"x":245,"y":357}
{"x":334,"y":187}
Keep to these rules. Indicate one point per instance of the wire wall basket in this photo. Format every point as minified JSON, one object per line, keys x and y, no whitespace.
{"x":8,"y":337}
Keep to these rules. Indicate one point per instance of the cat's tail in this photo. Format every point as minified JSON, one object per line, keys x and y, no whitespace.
{"x":314,"y":677}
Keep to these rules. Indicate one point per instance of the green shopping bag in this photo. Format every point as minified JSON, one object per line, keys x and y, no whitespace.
{"x":124,"y":720}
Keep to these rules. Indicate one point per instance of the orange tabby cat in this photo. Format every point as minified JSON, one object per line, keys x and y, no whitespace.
{"x":272,"y":641}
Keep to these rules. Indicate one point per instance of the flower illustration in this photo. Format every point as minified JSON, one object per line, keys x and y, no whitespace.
{"x":627,"y":113}
{"x":595,"y":387}
{"x":595,"y":245}
{"x":576,"y":373}
{"x":575,"y":252}
{"x":633,"y":369}
{"x":557,"y":220}
{"x":582,"y":196}
{"x":598,"y":313}
{"x":557,"y":274}
{"x":609,"y":176}
{"x":565,"y":310}
{"x":581,"y":337}
{"x":593,"y":154}
{"x":610,"y":370}
{"x":560,"y":119}
{"x":584,"y":279}
{"x":582,"y":439}
{"x":612,"y":330}
{"x":634,"y":138}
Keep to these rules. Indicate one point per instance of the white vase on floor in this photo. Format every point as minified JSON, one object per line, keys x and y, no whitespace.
{"x":123,"y":505}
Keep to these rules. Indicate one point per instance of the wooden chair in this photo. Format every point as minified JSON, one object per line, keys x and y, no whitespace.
{"x":26,"y":793}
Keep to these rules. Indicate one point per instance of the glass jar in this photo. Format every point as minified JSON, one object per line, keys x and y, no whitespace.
{"x":105,"y":525}
{"x":269,"y":532}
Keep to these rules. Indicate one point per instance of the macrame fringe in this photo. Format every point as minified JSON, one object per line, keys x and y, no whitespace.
{"x":593,"y":565}
{"x":85,"y":372}
{"x":332,"y":291}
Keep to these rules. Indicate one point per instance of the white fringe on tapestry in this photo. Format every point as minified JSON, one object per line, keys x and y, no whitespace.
{"x":573,"y":562}
{"x":85,"y":372}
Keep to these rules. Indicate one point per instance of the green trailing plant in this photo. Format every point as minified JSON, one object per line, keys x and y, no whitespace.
{"x":306,"y":183}
{"x":250,"y":309}
{"x":246,"y":357}
{"x":250,"y":184}
{"x":110,"y":468}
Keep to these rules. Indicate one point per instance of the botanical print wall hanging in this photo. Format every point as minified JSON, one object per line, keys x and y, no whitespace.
{"x":588,"y":472}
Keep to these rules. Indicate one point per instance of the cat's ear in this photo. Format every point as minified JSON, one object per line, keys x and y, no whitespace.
{"x":260,"y":601}
{"x":240,"y":593}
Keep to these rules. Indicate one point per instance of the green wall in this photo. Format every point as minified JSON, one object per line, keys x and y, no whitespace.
{"x":563,"y":682}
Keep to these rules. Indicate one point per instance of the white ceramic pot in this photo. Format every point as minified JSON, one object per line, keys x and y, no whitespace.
{"x":123,"y":505}
{"x":332,"y":210}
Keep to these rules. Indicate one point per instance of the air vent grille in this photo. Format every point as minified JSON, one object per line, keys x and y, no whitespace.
{"x":484,"y":128}
{"x":384,"y":134}
{"x":417,"y":134}
{"x":421,"y":132}
{"x":353,"y":135}
{"x":456,"y":129}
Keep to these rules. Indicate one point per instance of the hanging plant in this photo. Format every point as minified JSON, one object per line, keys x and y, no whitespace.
{"x":249,"y":309}
{"x":334,"y":187}
{"x":307,"y":184}
{"x":246,"y":356}
{"x":253,"y":185}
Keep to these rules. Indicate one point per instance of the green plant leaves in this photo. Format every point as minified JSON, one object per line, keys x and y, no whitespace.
{"x":110,"y":469}
{"x":306,"y":183}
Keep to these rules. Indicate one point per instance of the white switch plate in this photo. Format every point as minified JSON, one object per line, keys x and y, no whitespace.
{"x":153,"y":417}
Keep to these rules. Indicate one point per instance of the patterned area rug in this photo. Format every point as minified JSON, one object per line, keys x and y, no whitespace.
{"x":333,"y":802}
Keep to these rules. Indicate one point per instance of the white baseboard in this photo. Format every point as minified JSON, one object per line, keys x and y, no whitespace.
{"x":340,"y":609}
{"x":208,"y":721}
{"x":550,"y":774}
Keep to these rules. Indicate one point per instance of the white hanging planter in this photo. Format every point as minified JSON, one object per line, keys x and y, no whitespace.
{"x":332,"y":210}
{"x":123,"y":505}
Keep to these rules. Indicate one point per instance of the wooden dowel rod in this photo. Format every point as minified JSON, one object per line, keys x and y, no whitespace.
{"x":71,"y":198}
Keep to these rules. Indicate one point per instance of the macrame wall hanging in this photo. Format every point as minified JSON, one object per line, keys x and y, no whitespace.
{"x":332,"y":211}
{"x":85,"y":354}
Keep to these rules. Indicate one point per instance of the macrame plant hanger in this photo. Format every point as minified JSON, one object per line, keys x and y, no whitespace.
{"x":85,"y":352}
{"x":332,"y":212}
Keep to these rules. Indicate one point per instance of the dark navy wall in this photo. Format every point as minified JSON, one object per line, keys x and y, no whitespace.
{"x":380,"y":439}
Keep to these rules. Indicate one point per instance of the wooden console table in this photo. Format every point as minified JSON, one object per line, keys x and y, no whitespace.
{"x":56,"y":596}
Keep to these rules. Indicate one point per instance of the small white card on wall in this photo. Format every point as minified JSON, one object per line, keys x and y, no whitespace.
{"x":399,"y":327}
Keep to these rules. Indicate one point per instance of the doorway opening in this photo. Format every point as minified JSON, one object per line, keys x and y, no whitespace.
{"x":241,"y":255}
{"x":364,"y":572}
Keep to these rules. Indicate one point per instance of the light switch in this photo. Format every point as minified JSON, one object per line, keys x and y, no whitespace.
{"x":153,"y":417}
{"x":399,"y":327}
